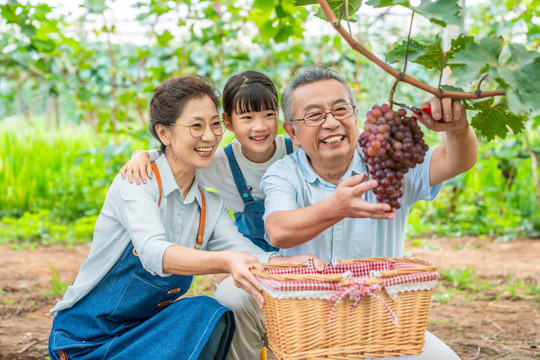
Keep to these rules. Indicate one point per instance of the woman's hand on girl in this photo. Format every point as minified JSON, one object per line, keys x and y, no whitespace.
{"x":139,"y":167}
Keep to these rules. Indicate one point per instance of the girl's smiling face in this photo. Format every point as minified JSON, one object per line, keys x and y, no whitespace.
{"x":256,"y":131}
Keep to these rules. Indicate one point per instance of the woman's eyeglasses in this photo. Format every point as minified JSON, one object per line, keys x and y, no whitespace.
{"x":197,"y":128}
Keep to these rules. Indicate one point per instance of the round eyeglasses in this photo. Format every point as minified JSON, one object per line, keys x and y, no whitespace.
{"x":317,"y":118}
{"x":197,"y":128}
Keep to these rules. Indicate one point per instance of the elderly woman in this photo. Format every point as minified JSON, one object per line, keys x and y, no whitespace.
{"x":149,"y":242}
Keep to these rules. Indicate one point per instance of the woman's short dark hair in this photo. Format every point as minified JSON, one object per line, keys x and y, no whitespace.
{"x":172,"y":95}
{"x":249,"y":91}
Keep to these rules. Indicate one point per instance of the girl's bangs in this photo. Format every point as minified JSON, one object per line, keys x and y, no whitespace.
{"x":254,"y":98}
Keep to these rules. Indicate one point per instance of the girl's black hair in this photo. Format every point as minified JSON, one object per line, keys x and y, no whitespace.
{"x":249,"y":91}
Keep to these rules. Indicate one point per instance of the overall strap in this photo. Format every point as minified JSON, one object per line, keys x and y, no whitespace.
{"x":202,"y":220}
{"x":245,"y":192}
{"x":288,"y":145}
{"x":158,"y":178}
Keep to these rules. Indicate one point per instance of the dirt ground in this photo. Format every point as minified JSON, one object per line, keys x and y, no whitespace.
{"x":494,"y":315}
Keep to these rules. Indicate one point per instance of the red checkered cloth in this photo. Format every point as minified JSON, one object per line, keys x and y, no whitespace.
{"x":356,"y":273}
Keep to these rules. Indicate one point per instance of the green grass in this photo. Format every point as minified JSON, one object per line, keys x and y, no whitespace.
{"x":58,"y":287}
{"x":54,"y":182}
{"x":58,"y":171}
{"x":465,"y":284}
{"x":481,"y":202}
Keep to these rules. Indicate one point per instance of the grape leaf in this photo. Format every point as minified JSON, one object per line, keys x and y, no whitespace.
{"x":451,"y":88}
{"x":431,"y":55}
{"x":458,"y":44}
{"x":416,"y":49}
{"x":441,"y":12}
{"x":475,"y":59}
{"x":265,"y":4}
{"x":521,"y":75}
{"x":493,"y":120}
{"x":164,"y":38}
{"x":335,"y":5}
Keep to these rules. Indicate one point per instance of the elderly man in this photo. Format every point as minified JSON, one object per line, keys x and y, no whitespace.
{"x":319,"y":202}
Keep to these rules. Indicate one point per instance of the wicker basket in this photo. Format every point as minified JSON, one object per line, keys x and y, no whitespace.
{"x":358,"y":309}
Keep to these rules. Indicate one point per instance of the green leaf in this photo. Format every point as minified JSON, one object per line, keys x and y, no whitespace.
{"x":475,"y":59}
{"x":416,"y":49}
{"x":337,"y":7}
{"x":441,"y":12}
{"x":433,"y":57}
{"x":264,"y":4}
{"x":164,"y":38}
{"x":302,"y":2}
{"x":458,"y":44}
{"x":283,"y":33}
{"x":44,"y":45}
{"x":430,"y":56}
{"x":521,"y":75}
{"x":492,"y":120}
{"x":267,"y":30}
{"x":451,"y":88}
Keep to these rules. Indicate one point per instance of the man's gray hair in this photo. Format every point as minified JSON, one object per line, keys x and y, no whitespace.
{"x":308,"y":76}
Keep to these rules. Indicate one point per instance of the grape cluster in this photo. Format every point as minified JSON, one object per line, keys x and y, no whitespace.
{"x":392,"y":144}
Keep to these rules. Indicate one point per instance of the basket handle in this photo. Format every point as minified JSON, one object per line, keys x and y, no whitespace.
{"x":285,"y":264}
{"x":315,"y":277}
{"x":388,"y":259}
{"x":406,"y":271}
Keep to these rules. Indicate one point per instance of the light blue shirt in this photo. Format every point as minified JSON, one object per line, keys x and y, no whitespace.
{"x":291,"y":183}
{"x":131,"y":214}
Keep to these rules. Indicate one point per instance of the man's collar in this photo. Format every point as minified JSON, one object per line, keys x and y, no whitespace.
{"x":357,"y":166}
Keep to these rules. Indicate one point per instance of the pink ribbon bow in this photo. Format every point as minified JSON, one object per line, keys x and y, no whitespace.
{"x":358,"y":291}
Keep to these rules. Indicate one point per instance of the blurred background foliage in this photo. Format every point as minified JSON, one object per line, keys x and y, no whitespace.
{"x":75,"y":83}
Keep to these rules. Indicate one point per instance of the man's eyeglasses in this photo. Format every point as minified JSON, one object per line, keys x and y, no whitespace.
{"x":317,"y":118}
{"x":197,"y":128}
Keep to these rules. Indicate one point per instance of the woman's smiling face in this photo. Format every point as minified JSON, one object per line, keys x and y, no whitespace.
{"x":189,"y":153}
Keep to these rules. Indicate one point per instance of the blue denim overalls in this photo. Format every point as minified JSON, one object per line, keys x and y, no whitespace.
{"x":250,"y":222}
{"x":132,"y":314}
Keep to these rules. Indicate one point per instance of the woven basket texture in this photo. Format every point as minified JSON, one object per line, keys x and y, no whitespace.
{"x":299,"y":329}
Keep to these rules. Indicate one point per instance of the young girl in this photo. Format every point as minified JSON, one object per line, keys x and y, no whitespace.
{"x":250,"y":110}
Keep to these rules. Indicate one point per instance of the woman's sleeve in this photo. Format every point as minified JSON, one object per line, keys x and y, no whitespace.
{"x":136,"y":208}
{"x":153,"y":154}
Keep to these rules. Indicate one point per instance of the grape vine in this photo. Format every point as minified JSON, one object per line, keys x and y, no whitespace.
{"x":513,"y":70}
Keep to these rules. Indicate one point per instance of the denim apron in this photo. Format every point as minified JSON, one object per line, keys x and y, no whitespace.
{"x":250,"y":222}
{"x":132,"y":314}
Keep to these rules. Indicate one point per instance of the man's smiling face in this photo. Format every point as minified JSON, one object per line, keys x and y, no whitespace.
{"x":333,"y":143}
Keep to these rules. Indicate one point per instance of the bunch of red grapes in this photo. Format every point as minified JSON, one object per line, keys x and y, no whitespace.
{"x":392,"y":144}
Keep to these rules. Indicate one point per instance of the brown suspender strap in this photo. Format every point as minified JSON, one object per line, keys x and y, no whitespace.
{"x":158,"y":178}
{"x":201,"y":222}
